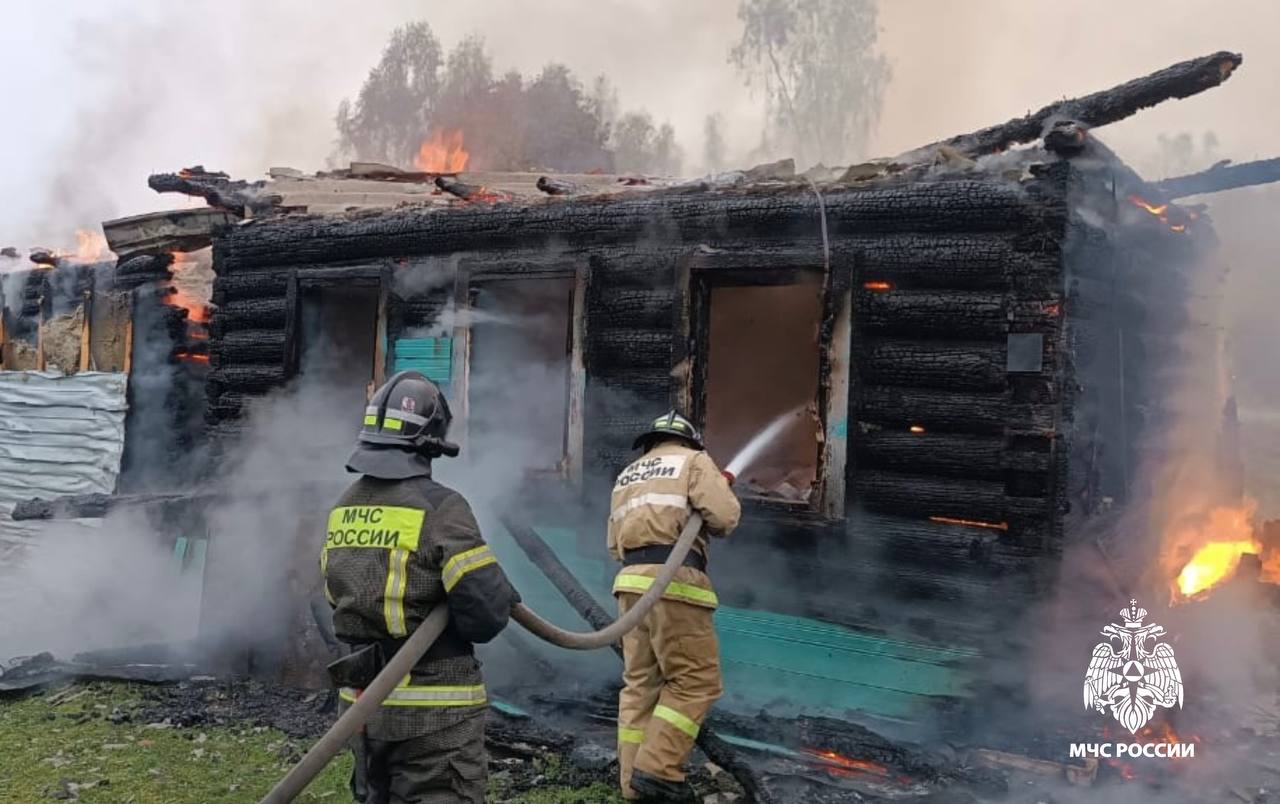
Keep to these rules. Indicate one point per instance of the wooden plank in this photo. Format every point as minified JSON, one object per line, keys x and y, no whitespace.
{"x":40,"y":336}
{"x":575,"y":432}
{"x":172,"y":230}
{"x":292,"y":314}
{"x":461,"y":355}
{"x":86,"y":358}
{"x":380,"y":338}
{"x":128,"y":346}
{"x":681,"y":353}
{"x":836,"y":418}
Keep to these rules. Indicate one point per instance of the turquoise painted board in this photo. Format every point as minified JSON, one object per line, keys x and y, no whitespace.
{"x":782,"y":663}
{"x":432,"y":356}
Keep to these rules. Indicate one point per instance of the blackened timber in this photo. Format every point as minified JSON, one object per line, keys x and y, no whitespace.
{"x":646,"y":384}
{"x":1181,"y":80}
{"x":959,"y":365}
{"x":633,"y":308}
{"x":239,"y":197}
{"x":951,"y":261}
{"x":950,"y":411}
{"x":1220,"y":177}
{"x":932,"y":453}
{"x":226,"y":406}
{"x":249,"y":346}
{"x":953,"y":205}
{"x":934,"y":312}
{"x":141,"y":269}
{"x":633,"y":348}
{"x":234,"y":287}
{"x":923,"y":496}
{"x":253,"y":379}
{"x":245,"y":313}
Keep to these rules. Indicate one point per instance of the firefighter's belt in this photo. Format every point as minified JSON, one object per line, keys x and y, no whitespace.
{"x":658,"y":553}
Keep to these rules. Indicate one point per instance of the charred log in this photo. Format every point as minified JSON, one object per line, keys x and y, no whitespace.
{"x":932,"y":453}
{"x":139,"y":270}
{"x":1222,"y":176}
{"x":633,"y":308}
{"x":251,"y":379}
{"x":469,"y":192}
{"x":248,"y":313}
{"x":1181,"y":80}
{"x":249,"y":346}
{"x":96,"y":506}
{"x":553,"y":186}
{"x":239,"y":197}
{"x":962,"y":366}
{"x":633,"y":348}
{"x":956,"y":205}
{"x":953,"y":262}
{"x":948,"y":411}
{"x":924,"y":497}
{"x":937,"y":313}
{"x":234,"y":287}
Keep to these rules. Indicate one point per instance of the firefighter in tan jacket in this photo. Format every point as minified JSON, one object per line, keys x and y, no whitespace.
{"x":672,"y":659}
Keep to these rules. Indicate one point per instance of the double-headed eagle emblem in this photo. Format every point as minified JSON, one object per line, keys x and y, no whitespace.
{"x":1127,"y":678}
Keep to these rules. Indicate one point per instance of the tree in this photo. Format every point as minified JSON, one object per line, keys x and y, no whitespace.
{"x":824,"y":83}
{"x":641,"y":147}
{"x":390,"y":115}
{"x":548,"y":123}
{"x":713,"y":143}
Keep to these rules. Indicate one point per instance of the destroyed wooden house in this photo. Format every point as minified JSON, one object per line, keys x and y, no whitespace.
{"x":101,"y":363}
{"x":967,"y":340}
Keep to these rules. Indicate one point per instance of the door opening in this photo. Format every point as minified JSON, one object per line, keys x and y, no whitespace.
{"x":762,"y":363}
{"x":518,"y":386}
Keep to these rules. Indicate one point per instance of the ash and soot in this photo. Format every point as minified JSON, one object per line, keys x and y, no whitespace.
{"x":1001,"y":409}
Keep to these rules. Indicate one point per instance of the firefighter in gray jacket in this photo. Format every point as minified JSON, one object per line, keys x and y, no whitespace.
{"x":398,"y":544}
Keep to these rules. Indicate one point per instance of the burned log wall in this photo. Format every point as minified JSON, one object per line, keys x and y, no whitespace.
{"x":1132,"y":276}
{"x":943,"y":272}
{"x":957,"y":406}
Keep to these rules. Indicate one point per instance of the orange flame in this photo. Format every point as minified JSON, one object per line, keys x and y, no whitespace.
{"x":1161,"y":211}
{"x":196,"y":310}
{"x":1205,"y":550}
{"x":973,"y":523}
{"x":442,"y":152}
{"x":877,"y":286}
{"x":839,"y":762}
{"x":91,"y":246}
{"x":916,"y":428}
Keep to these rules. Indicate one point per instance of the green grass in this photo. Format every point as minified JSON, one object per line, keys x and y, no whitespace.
{"x":48,"y":751}
{"x":43,"y":747}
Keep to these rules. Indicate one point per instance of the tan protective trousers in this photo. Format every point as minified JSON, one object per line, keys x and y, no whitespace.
{"x":670,"y":679}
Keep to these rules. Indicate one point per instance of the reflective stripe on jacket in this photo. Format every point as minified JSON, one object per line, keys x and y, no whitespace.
{"x":407,"y":694}
{"x":651,"y":502}
{"x":393,"y":551}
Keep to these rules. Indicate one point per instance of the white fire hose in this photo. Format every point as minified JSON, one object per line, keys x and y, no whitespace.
{"x":416,"y":646}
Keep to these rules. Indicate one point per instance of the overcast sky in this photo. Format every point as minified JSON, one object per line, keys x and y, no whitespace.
{"x":97,"y":94}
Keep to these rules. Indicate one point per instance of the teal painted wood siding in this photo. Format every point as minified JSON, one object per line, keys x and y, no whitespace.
{"x":431,"y":356}
{"x":782,"y":663}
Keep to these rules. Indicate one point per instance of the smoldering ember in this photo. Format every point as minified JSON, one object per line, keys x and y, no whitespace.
{"x":973,"y":360}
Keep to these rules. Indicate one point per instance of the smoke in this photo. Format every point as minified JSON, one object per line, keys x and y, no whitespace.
{"x":84,"y":588}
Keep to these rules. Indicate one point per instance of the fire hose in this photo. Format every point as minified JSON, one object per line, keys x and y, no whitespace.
{"x":416,"y":646}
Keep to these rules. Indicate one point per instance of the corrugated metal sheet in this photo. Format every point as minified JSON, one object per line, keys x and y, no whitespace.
{"x":58,"y":435}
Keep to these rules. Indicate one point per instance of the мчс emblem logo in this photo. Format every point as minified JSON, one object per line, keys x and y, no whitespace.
{"x":1127,"y":677}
